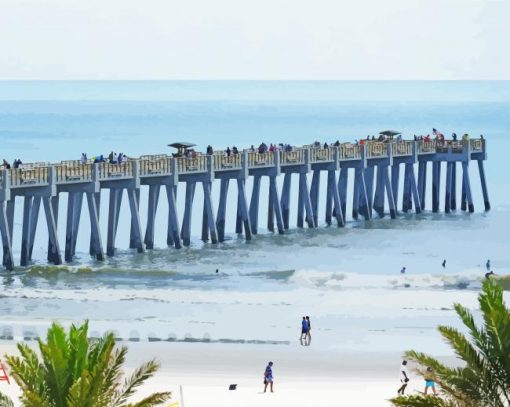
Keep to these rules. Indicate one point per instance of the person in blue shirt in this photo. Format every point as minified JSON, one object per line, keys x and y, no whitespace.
{"x":268,"y":377}
{"x":304,"y":328}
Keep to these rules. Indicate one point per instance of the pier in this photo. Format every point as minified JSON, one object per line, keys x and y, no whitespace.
{"x":374,"y":166}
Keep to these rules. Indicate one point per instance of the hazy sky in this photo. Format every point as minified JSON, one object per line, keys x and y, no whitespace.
{"x":262,"y":39}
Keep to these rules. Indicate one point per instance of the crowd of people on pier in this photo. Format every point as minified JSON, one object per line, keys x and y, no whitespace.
{"x":118,"y":158}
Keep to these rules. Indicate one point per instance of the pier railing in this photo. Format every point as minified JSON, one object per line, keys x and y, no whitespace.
{"x":191,"y":164}
{"x":115,"y":171}
{"x":402,"y":148}
{"x":322,"y":154}
{"x":28,"y":176}
{"x":153,"y":167}
{"x":477,"y":145}
{"x":257,"y":160}
{"x":294,"y":157}
{"x":36,"y":174}
{"x":375,"y":149}
{"x":350,"y":151}
{"x":73,"y":173}
{"x":223,"y":162}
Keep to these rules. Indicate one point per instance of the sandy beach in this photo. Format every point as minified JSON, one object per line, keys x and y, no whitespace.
{"x":199,"y":375}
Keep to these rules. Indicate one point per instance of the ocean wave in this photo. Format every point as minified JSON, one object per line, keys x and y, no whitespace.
{"x":468,"y":279}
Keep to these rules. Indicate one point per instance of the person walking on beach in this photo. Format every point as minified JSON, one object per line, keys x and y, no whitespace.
{"x":268,"y":377}
{"x":488,"y":265}
{"x":309,"y":327}
{"x":404,"y":379}
{"x":430,"y":380}
{"x":304,"y":328}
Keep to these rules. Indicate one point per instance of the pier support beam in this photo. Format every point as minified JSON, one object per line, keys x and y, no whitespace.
{"x":151,"y":216}
{"x":448,"y":188}
{"x":52,"y":250}
{"x":95,"y":234}
{"x":273,"y":193}
{"x":362,"y":193}
{"x":453,"y":190}
{"x":395,"y":175}
{"x":379,"y":191}
{"x":33,"y":224}
{"x":8,"y":261}
{"x":132,"y":243}
{"x":389,"y":193}
{"x":173,"y":232}
{"x":481,"y":170}
{"x":422,"y":182}
{"x":135,"y":219}
{"x":335,"y":198}
{"x":76,"y":220}
{"x":97,"y":198}
{"x":254,"y":204}
{"x":25,"y":238}
{"x":49,"y":206}
{"x":305,"y":199}
{"x":243,"y":205}
{"x":222,"y":209}
{"x":285,"y":202}
{"x":186,"y":221}
{"x":369,"y":185}
{"x":314,"y":195}
{"x":9,"y":214}
{"x":414,"y":189}
{"x":436,"y":183}
{"x":467,"y":186}
{"x":209,"y":212}
{"x":115,"y":196}
{"x":407,"y":194}
{"x":270,"y":209}
{"x":342,"y":189}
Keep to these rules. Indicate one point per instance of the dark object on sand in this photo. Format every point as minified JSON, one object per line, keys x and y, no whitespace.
{"x":232,"y":387}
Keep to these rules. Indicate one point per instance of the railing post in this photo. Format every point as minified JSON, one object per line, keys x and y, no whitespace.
{"x":6,"y":186}
{"x":52,"y":180}
{"x":210,"y":168}
{"x":135,"y":171}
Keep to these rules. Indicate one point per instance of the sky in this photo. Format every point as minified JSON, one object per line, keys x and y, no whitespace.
{"x":263,"y":39}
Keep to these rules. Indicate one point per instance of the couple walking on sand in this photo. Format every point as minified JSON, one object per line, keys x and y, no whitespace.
{"x":305,"y":329}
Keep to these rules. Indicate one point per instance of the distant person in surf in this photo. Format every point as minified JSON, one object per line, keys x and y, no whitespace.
{"x":403,"y":271}
{"x":304,"y":328}
{"x":444,"y":263}
{"x":488,"y":265}
{"x":404,"y":378}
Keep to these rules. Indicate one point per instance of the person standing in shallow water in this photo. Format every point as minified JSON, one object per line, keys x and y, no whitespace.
{"x":268,"y":377}
{"x":488,"y":265}
{"x":309,"y":327}
{"x":403,"y":271}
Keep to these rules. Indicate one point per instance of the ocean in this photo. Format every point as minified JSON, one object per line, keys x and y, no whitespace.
{"x":347,"y":279}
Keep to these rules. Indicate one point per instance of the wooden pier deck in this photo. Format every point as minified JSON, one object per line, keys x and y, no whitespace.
{"x":375,"y":167}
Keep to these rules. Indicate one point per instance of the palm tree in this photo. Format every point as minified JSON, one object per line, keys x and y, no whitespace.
{"x":74,"y":371}
{"x":484,"y":377}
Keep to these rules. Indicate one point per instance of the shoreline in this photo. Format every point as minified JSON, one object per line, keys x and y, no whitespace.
{"x":304,"y":376}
